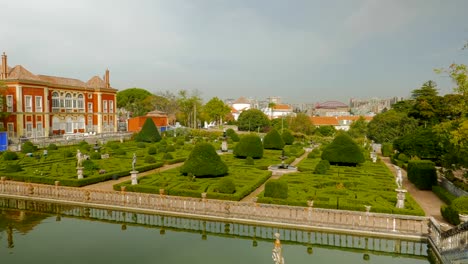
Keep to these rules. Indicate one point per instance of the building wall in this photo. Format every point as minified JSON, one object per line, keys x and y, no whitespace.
{"x":136,"y":123}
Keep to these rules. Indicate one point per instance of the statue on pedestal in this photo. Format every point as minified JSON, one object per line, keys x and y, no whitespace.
{"x":399,"y":179}
{"x":134,"y":161}
{"x":79,"y":157}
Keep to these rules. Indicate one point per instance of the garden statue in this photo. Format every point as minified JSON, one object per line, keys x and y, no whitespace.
{"x":399,"y":179}
{"x":79,"y":158}
{"x":134,"y":161}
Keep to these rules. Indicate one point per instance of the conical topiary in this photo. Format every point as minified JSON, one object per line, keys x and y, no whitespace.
{"x":288,"y":138}
{"x":232,"y":134}
{"x":203,"y":161}
{"x":343,"y":151}
{"x":273,"y":140}
{"x":249,"y":146}
{"x":149,"y":132}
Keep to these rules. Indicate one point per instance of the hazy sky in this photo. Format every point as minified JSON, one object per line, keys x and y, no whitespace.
{"x":301,"y":50}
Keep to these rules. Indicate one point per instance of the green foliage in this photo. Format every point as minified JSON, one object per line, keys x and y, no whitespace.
{"x":10,"y":155}
{"x":252,"y":120}
{"x":152,"y":150}
{"x":422,"y":174}
{"x":132,"y":100}
{"x":168,"y":156}
{"x":322,"y":167}
{"x":28,"y":147}
{"x":67,"y":153}
{"x":13,"y":168}
{"x":216,"y":109}
{"x":170,"y":148}
{"x":276,"y":189}
{"x":52,"y":146}
{"x":249,"y":161}
{"x":422,"y":143}
{"x":150,"y":159}
{"x":358,"y":128}
{"x":443,"y":194}
{"x":387,"y":149}
{"x":315,"y":153}
{"x":326,"y":131}
{"x":232,"y":135}
{"x":343,"y":151}
{"x":301,"y":123}
{"x":149,"y":132}
{"x":403,"y":157}
{"x":288,"y":138}
{"x":113,"y":145}
{"x":249,"y":146}
{"x":204,"y":161}
{"x":450,"y":214}
{"x":95,"y":156}
{"x":89,"y":165}
{"x":387,"y":126}
{"x":226,"y":185}
{"x":273,"y":140}
{"x":120,"y":152}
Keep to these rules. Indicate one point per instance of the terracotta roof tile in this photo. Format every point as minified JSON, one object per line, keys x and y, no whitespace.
{"x":20,"y":73}
{"x":62,"y":80}
{"x":334,"y":120}
{"x":241,"y":100}
{"x":282,"y":107}
{"x":96,"y":82}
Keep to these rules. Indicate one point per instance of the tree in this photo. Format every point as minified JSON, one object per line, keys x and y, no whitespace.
{"x":404,"y":106}
{"x":427,"y":90}
{"x":358,"y":128}
{"x":343,"y":151}
{"x":203,"y":161}
{"x":131,"y":99}
{"x":273,"y":140}
{"x":326,"y":131}
{"x":189,"y":108}
{"x":288,"y":138}
{"x":423,"y":143}
{"x":386,"y":127}
{"x":252,"y":120}
{"x":426,"y":103}
{"x":301,"y":123}
{"x":149,"y":132}
{"x":216,"y":109}
{"x":281,"y":123}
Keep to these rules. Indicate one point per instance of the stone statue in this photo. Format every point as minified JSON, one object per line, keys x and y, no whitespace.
{"x":79,"y":158}
{"x":134,"y":161}
{"x":399,"y":179}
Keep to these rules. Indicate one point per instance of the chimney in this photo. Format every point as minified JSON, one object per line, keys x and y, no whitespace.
{"x":107,"y":79}
{"x":4,"y":72}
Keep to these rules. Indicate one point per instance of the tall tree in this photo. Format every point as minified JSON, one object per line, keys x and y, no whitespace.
{"x":301,"y":123}
{"x":132,"y":100}
{"x":386,"y":127}
{"x":358,"y":128}
{"x":190,"y":108}
{"x":253,"y":120}
{"x":216,"y":110}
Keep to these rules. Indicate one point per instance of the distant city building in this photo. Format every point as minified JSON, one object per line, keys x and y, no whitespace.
{"x":239,"y":105}
{"x":372,"y":106}
{"x":331,"y":108}
{"x":278,"y":110}
{"x":339,"y":122}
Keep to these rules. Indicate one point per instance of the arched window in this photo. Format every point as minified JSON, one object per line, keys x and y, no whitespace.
{"x":55,"y":100}
{"x":80,"y":101}
{"x":68,"y":101}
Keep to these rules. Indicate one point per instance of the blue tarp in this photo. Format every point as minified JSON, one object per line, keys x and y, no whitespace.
{"x":3,"y":141}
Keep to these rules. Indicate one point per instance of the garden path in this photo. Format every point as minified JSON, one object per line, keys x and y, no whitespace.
{"x":252,"y":195}
{"x":428,"y":201}
{"x":108,"y":185}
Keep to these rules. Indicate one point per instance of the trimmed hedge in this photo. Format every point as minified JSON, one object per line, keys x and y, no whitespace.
{"x":288,"y":138}
{"x":422,"y":173}
{"x":204,"y":161}
{"x":443,"y":194}
{"x":343,"y":151}
{"x":226,"y":185}
{"x":232,"y":135}
{"x":149,"y":132}
{"x":387,"y":149}
{"x":276,"y":189}
{"x":322,"y":167}
{"x":273,"y":140}
{"x":10,"y":155}
{"x":150,"y":159}
{"x":249,"y":146}
{"x":249,"y":161}
{"x":28,"y":147}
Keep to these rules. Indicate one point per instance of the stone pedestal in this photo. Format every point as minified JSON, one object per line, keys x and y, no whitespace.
{"x":224,"y":146}
{"x":79,"y":172}
{"x":463,"y":218}
{"x":401,"y":193}
{"x":134,"y":176}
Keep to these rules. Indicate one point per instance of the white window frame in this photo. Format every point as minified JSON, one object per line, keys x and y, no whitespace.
{"x":55,"y":100}
{"x":80,"y":101}
{"x":104,"y":106}
{"x":39,"y":129}
{"x":90,"y":107}
{"x":11,"y":129}
{"x":28,"y":103}
{"x":38,"y":104}
{"x":111,"y":106}
{"x":68,"y":101}
{"x":9,"y":103}
{"x":29,"y":129}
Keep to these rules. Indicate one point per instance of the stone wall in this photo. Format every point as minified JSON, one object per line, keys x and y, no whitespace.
{"x":450,"y":187}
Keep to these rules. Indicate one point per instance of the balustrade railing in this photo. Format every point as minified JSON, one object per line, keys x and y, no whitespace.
{"x":295,"y":215}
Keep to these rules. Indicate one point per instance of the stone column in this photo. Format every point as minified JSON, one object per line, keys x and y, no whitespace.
{"x":99,"y":112}
{"x":46,"y":122}
{"x":134,"y":176}
{"x":79,"y":172}
{"x":19,"y":110}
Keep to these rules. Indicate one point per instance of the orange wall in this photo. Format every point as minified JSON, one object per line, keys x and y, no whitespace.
{"x":135,"y":124}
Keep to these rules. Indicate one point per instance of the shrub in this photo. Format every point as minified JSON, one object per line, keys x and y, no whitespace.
{"x":343,"y":151}
{"x":84,"y":146}
{"x":28,"y":147}
{"x":180,"y":141}
{"x":113,"y":145}
{"x":141,"y":145}
{"x":232,"y":135}
{"x":461,"y":204}
{"x":149,"y":132}
{"x":314,"y":154}
{"x":443,"y":194}
{"x":10,"y":155}
{"x":168,"y":156}
{"x":249,"y":161}
{"x":276,"y":189}
{"x":152,"y":150}
{"x":273,"y":140}
{"x":170,"y":148}
{"x":95,"y":156}
{"x":450,"y":214}
{"x":52,"y":146}
{"x":13,"y":168}
{"x":204,"y":161}
{"x":387,"y":149}
{"x":67,"y":154}
{"x":90,"y":165}
{"x":150,"y":159}
{"x":249,"y":146}
{"x":322,"y":167}
{"x":288,"y":138}
{"x":403,"y":157}
{"x":422,"y":174}
{"x":120,"y":152}
{"x":226,"y":185}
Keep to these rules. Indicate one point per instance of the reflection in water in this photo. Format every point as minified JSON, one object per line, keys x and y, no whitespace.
{"x":79,"y":228}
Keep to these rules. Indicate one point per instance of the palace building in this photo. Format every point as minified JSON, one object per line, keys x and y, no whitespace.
{"x":41,"y":105}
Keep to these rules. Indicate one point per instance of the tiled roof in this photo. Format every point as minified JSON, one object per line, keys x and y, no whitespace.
{"x":96,"y":82}
{"x":331,"y":105}
{"x":61,"y":80}
{"x":282,"y":107}
{"x":334,"y":120}
{"x":20,"y":73}
{"x":156,"y":113}
{"x":241,"y":100}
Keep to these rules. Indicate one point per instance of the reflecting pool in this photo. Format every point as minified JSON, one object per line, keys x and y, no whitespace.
{"x":37,"y":232}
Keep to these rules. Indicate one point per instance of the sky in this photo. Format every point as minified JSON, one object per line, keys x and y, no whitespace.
{"x":304,"y":51}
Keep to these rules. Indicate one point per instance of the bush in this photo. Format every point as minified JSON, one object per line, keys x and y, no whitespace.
{"x":68,"y":154}
{"x":95,"y":156}
{"x":403,"y":157}
{"x":314,"y":154}
{"x":450,"y":214}
{"x":84,"y":146}
{"x":422,"y":173}
{"x":461,"y":204}
{"x":52,"y":146}
{"x":10,"y":155}
{"x":276,"y":189}
{"x":170,"y":148}
{"x":149,"y":132}
{"x":249,"y":161}
{"x":180,"y":141}
{"x":322,"y":167}
{"x":90,"y":165}
{"x":288,"y":138}
{"x":168,"y":156}
{"x":249,"y":146}
{"x":273,"y":140}
{"x":120,"y":152}
{"x":226,"y":185}
{"x":141,"y":145}
{"x":113,"y":145}
{"x":150,"y":159}
{"x":152,"y":150}
{"x":443,"y":194}
{"x":13,"y":168}
{"x":343,"y":151}
{"x":204,"y":161}
{"x":387,"y":149}
{"x":28,"y":147}
{"x":232,"y":135}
